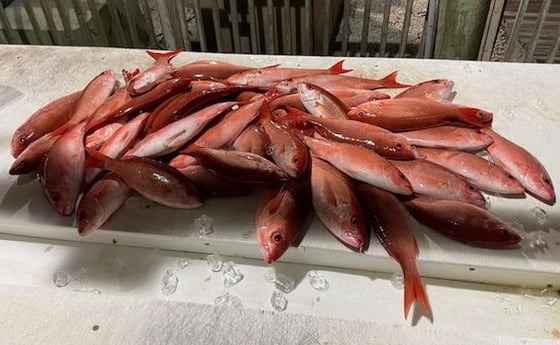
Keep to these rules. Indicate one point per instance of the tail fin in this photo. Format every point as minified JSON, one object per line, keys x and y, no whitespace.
{"x":337,"y":68}
{"x":475,"y":116}
{"x":414,"y":291}
{"x":390,"y":81}
{"x":129,"y":75}
{"x":167,"y":55}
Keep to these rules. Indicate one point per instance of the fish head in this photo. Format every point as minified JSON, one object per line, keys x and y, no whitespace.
{"x":286,"y":86}
{"x":353,"y":231}
{"x":503,"y":235}
{"x":21,"y":139}
{"x":541,"y":185}
{"x":89,"y":216}
{"x":308,"y":92}
{"x":273,"y":242}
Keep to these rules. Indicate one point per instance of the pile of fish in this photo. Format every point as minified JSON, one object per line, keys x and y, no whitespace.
{"x":303,"y":139}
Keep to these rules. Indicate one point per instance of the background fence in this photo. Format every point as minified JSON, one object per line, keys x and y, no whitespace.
{"x":499,"y":30}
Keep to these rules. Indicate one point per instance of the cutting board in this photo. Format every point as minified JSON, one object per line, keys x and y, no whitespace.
{"x":523,"y":98}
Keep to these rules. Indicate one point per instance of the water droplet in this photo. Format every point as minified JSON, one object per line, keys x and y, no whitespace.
{"x":317,"y":280}
{"x":169,"y":283}
{"x":397,"y":280}
{"x":488,"y":203}
{"x":227,"y":300}
{"x":278,"y":301}
{"x":232,"y":275}
{"x":269,"y":276}
{"x":539,"y":215}
{"x":204,"y":225}
{"x":182,"y":262}
{"x":61,"y":279}
{"x":284,"y":283}
{"x":215,"y":262}
{"x":535,"y":241}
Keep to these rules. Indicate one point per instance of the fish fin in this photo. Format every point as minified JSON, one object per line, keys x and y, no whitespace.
{"x":414,"y":291}
{"x":390,"y":81}
{"x":475,"y":116}
{"x":95,"y":159}
{"x":337,"y":68}
{"x":271,"y":66}
{"x":128,"y":76}
{"x":167,"y":55}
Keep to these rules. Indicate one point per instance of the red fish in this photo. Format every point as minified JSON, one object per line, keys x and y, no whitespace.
{"x":31,"y":158}
{"x":320,"y":102}
{"x":449,"y":137}
{"x":361,"y":164}
{"x":522,"y":165}
{"x":96,"y":139}
{"x":209,"y":69}
{"x":100,"y":202}
{"x":94,"y":95}
{"x":391,"y":226}
{"x":154,"y":180}
{"x":119,"y":98}
{"x":253,"y":139}
{"x":62,"y":175}
{"x":437,"y":90}
{"x":405,"y":114}
{"x":463,"y":222}
{"x":239,"y":166}
{"x":380,"y":140}
{"x":337,"y":206}
{"x":335,"y":81}
{"x":43,"y":121}
{"x":433,"y":180}
{"x":478,"y":171}
{"x":280,"y":216}
{"x":270,"y":76}
{"x":159,"y":71}
{"x":198,"y":85}
{"x":286,"y":148}
{"x":210,"y":184}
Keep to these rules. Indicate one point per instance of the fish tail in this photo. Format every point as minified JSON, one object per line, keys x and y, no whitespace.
{"x":390,"y":81}
{"x":167,"y":55}
{"x":96,"y":159}
{"x":475,"y":116}
{"x":414,"y":291}
{"x":337,"y":68}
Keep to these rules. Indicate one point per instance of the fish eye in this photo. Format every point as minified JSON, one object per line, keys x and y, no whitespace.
{"x":401,"y":175}
{"x":512,"y":178}
{"x":295,"y":160}
{"x":361,"y":113}
{"x":546,"y":180}
{"x":22,"y":140}
{"x":504,"y":233}
{"x":471,"y":187}
{"x":354,"y":221}
{"x":478,"y":131}
{"x":277,"y":237}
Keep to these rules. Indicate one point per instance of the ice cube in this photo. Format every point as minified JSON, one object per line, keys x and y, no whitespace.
{"x":535,"y":241}
{"x":517,"y":226}
{"x":232,"y":275}
{"x":204,"y":225}
{"x":61,"y":279}
{"x":169,"y":283}
{"x":182,"y":263}
{"x":539,"y":215}
{"x":397,"y":280}
{"x":270,"y":275}
{"x":284,"y":283}
{"x":228,"y":300}
{"x":278,"y":301}
{"x":317,"y":280}
{"x":215,"y":262}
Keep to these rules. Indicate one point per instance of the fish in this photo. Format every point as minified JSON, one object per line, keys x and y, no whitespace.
{"x":99,"y":136}
{"x":182,"y":160}
{"x":118,"y":143}
{"x":435,"y":181}
{"x":464,"y":223}
{"x":380,"y":140}
{"x":253,"y":139}
{"x":45,"y":120}
{"x":93,"y":96}
{"x":119,"y":98}
{"x":210,"y":184}
{"x":336,"y":81}
{"x":229,"y":127}
{"x":159,"y":71}
{"x":286,"y":149}
{"x":405,"y":114}
{"x":435,"y":89}
{"x":319,"y":102}
{"x":209,"y":69}
{"x":335,"y":201}
{"x":391,"y":227}
{"x":197,"y":85}
{"x":449,"y":137}
{"x":62,"y":174}
{"x":172,"y":137}
{"x":154,"y":180}
{"x":239,"y":166}
{"x":522,"y":165}
{"x":480,"y":172}
{"x":361,"y":164}
{"x":350,"y":97}
{"x":270,"y":76}
{"x":99,"y":202}
{"x":280,"y":217}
